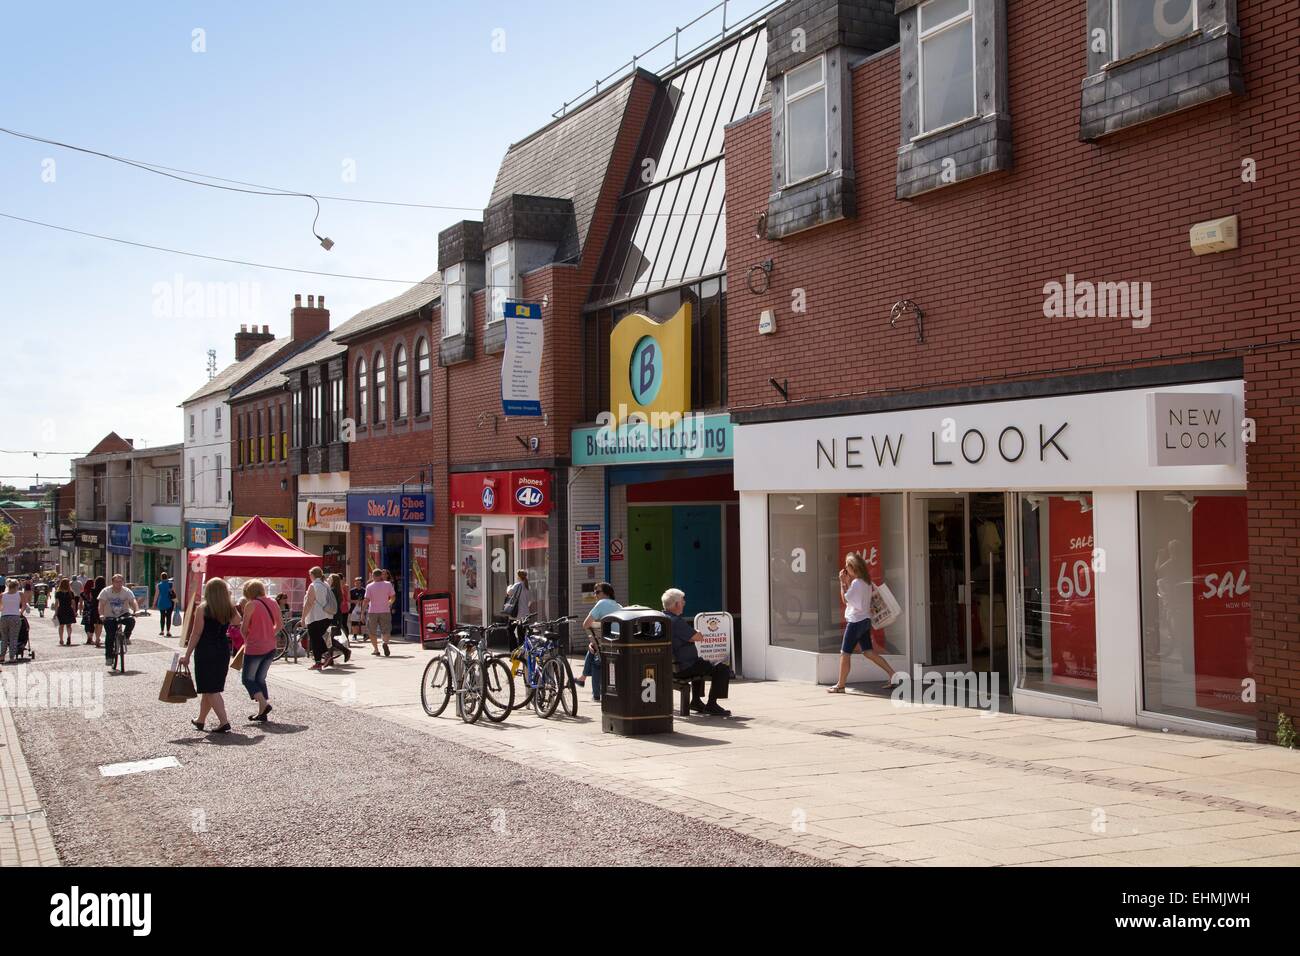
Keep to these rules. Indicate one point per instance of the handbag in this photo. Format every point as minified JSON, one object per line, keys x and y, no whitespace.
{"x":237,"y":662}
{"x":177,"y":685}
{"x":176,"y":617}
{"x":884,"y":607}
{"x":511,"y":607}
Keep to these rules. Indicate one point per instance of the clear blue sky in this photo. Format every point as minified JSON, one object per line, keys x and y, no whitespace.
{"x":412,"y":93}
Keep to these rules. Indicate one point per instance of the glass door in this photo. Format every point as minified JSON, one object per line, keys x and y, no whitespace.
{"x":501,"y":570}
{"x":941,"y":574}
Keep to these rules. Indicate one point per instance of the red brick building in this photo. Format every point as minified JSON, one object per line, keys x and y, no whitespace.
{"x":983,"y":259}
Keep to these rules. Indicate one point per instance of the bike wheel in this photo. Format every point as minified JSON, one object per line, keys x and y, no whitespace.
{"x":524,"y":696}
{"x":435,"y":687}
{"x":498,"y":691}
{"x":550,"y":682}
{"x":471,"y":694}
{"x":569,"y":689}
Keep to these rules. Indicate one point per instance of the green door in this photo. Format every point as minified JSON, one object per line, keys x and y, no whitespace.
{"x":649,"y":555}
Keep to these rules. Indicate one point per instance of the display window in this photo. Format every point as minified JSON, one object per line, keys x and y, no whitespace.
{"x":534,"y":557}
{"x":1197,"y":656}
{"x":809,"y":537}
{"x":1059,"y":561}
{"x":418,"y":564}
{"x":470,"y":571}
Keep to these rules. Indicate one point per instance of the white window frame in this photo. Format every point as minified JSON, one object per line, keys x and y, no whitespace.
{"x":453,"y":301}
{"x":499,"y":293}
{"x":216,"y":412}
{"x":1114,"y":31}
{"x":217,"y":473}
{"x":193,"y":476}
{"x":921,"y":37}
{"x":191,"y":426}
{"x":817,"y":87}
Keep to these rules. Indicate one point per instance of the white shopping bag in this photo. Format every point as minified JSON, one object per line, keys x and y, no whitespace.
{"x":885,"y":608}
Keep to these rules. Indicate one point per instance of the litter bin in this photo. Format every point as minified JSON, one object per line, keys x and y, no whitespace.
{"x":636,"y":653}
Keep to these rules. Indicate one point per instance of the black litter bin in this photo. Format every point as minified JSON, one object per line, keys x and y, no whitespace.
{"x":636,"y":653}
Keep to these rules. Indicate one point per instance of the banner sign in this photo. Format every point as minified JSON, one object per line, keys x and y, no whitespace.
{"x":1221,"y":603}
{"x":659,"y":438}
{"x":650,"y":365}
{"x":587,"y":544}
{"x":397,"y":508}
{"x":203,"y":534}
{"x":67,"y":536}
{"x":323,"y":514}
{"x":1073,"y":604}
{"x":89,"y":539}
{"x":521,"y":364}
{"x":281,"y":526}
{"x":163,"y":536}
{"x":718,"y":630}
{"x":519,"y":493}
{"x":119,"y":539}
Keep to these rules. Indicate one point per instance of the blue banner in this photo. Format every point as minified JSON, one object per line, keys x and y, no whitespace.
{"x":521,"y":363}
{"x":119,"y":539}
{"x":395,"y":508}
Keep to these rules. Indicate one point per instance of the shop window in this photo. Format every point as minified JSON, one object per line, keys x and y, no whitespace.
{"x":806,"y":137}
{"x":534,"y":555}
{"x":1059,"y":562}
{"x":381,"y":389}
{"x":1197,"y":656}
{"x":470,"y":570}
{"x":401,"y":397}
{"x":1140,"y":25}
{"x":809,"y":537}
{"x":947,"y":58}
{"x":363,"y":393}
{"x":423,"y":378}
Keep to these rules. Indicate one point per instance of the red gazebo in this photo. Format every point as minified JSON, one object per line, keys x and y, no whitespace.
{"x":254,"y":551}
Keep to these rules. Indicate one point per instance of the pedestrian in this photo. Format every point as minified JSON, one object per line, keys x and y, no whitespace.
{"x":209,"y":645}
{"x":164,"y":599}
{"x":855,"y":592}
{"x":13,"y":607}
{"x":518,"y":606}
{"x":65,"y":610}
{"x":318,"y":613}
{"x":688,"y":662}
{"x":42,"y":598}
{"x":260,"y":624}
{"x":591,"y":626}
{"x":379,"y":610}
{"x":339,"y":626}
{"x":357,"y":615}
{"x":90,"y":610}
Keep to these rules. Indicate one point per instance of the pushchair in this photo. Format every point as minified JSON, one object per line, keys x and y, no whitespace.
{"x":24,"y":649}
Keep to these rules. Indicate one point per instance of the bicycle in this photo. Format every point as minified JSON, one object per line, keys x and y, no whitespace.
{"x":119,"y":638}
{"x":547,"y":676}
{"x":498,"y":684}
{"x":288,"y":638}
{"x":461,"y":675}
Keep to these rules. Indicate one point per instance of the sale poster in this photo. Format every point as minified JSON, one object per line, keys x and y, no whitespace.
{"x":860,"y":532}
{"x":1073,"y":614}
{"x":373,"y":544}
{"x":418,"y":565}
{"x":1221,"y":603}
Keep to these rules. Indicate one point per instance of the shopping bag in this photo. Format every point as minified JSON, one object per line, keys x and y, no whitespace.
{"x":176,"y":617}
{"x":237,"y":662}
{"x":885,"y":608}
{"x":177,"y":686}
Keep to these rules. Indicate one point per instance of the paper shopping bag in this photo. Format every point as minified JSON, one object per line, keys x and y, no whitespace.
{"x":177,"y":686}
{"x":885,"y":608}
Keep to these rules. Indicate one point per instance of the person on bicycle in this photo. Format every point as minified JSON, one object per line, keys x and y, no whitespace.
{"x":117,"y":607}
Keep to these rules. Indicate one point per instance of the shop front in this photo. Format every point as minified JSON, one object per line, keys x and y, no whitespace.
{"x":119,"y":550}
{"x":503,"y":525}
{"x":155,"y":550}
{"x":323,"y":528}
{"x":88,"y":552}
{"x":1076,"y":555}
{"x":392,"y":531}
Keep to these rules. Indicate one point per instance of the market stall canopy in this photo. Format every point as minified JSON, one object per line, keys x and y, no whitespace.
{"x":254,"y":551}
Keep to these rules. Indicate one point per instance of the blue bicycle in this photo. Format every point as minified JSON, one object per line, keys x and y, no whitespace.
{"x":545,"y":671}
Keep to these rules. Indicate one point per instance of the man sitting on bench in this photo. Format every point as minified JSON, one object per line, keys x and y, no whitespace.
{"x":688,"y":662}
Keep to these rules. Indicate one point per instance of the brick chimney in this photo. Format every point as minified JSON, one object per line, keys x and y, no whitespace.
{"x":248,"y":340}
{"x":310,"y":320}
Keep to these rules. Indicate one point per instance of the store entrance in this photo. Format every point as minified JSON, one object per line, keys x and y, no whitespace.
{"x":501,"y":571}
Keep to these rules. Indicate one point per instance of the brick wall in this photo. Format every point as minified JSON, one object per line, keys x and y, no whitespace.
{"x":256,"y":486}
{"x":976,"y":256}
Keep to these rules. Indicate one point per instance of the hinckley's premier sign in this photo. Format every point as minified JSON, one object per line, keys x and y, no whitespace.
{"x":1193,"y":429}
{"x":1066,"y":442}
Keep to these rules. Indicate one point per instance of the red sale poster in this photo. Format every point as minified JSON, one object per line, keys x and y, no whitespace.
{"x":1073,"y":604}
{"x":1221,"y":603}
{"x":860,"y":532}
{"x":373,"y":541}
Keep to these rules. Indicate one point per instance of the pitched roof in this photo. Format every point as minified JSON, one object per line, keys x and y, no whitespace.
{"x":568,"y":159}
{"x":274,"y":378}
{"x":412,"y":300}
{"x":110,"y":443}
{"x":236,"y":372}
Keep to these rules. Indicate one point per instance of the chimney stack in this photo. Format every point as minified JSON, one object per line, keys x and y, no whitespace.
{"x":311,"y":320}
{"x":248,"y":340}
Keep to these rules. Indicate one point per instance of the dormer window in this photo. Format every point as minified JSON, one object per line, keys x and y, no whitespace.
{"x":1146,"y":24}
{"x":806,"y":122}
{"x":947,"y":57}
{"x":453,"y":301}
{"x":500,"y":280}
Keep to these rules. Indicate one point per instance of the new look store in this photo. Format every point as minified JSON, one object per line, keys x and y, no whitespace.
{"x":1087,"y":554}
{"x":393,"y":530}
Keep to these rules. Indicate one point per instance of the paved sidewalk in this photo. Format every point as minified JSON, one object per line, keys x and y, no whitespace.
{"x":25,"y":838}
{"x":856,"y":779}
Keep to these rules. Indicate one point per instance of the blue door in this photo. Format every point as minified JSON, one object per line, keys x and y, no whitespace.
{"x":697,"y":556}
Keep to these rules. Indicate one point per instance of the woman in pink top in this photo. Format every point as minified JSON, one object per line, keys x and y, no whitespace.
{"x":261,"y":622}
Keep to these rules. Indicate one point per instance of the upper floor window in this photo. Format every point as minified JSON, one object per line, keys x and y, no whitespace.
{"x":381,"y":388}
{"x":193,"y":477}
{"x":191,"y":424}
{"x":422,"y":377}
{"x":806,"y":140}
{"x":401,"y":397}
{"x":297,"y":419}
{"x":501,"y":281}
{"x":336,"y":410}
{"x":363,"y":393}
{"x":216,"y":417}
{"x":453,"y":300}
{"x":221,"y":491}
{"x":316,"y":414}
{"x":947,"y":59}
{"x":284,"y":436}
{"x":1143,"y":24}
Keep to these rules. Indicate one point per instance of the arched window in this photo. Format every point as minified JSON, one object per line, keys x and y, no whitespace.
{"x":423,"y":377}
{"x":401,"y":397}
{"x":381,"y":388}
{"x":363,"y":393}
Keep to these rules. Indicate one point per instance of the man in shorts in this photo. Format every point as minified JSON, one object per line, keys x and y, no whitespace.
{"x":379,"y":610}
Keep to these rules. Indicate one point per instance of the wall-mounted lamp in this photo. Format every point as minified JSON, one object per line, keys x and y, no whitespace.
{"x":284,"y":484}
{"x":1035,"y":501}
{"x":760,"y":227}
{"x":901,"y":309}
{"x":765,"y":267}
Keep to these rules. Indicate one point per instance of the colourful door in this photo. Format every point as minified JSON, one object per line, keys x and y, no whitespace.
{"x":649,"y":555}
{"x":697,"y":556}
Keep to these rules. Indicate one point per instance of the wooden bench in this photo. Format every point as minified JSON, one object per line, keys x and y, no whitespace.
{"x":683,"y":686}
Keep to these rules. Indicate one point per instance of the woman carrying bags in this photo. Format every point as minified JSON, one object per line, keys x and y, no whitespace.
{"x":855,"y":592}
{"x":209,"y":645}
{"x":318,"y":609}
{"x":260,"y":623}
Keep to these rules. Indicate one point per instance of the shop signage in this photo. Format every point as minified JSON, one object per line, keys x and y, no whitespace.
{"x":1191,"y":428}
{"x":660,"y":438}
{"x":435,"y":617}
{"x":718,"y":630}
{"x":67,"y":536}
{"x":1063,"y":442}
{"x":649,"y":365}
{"x":587,"y":544}
{"x":165,"y":537}
{"x":323,"y":514}
{"x":616,"y":547}
{"x":119,"y":539}
{"x":89,"y":539}
{"x":521,"y":363}
{"x":281,"y":526}
{"x":203,"y":534}
{"x":1073,"y":611}
{"x":517,"y":493}
{"x":395,"y":508}
{"x":1221,"y":603}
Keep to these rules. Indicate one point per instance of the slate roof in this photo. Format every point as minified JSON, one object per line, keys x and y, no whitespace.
{"x":234,"y":373}
{"x":568,"y":159}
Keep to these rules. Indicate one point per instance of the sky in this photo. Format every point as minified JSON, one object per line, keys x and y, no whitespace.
{"x":412,"y":102}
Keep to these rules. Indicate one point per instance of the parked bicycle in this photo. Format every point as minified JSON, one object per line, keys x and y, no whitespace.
{"x":480,"y":680}
{"x":544,"y":669}
{"x":288,"y":639}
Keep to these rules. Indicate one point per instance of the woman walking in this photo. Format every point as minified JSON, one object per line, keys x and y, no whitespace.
{"x":855,"y":591}
{"x":13,"y":605}
{"x":209,"y":645}
{"x":519,"y":604}
{"x":591,"y":626}
{"x":90,"y":610}
{"x":164,"y":599}
{"x":260,"y":624}
{"x":318,"y":609}
{"x":338,"y":632}
{"x":65,"y":611}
